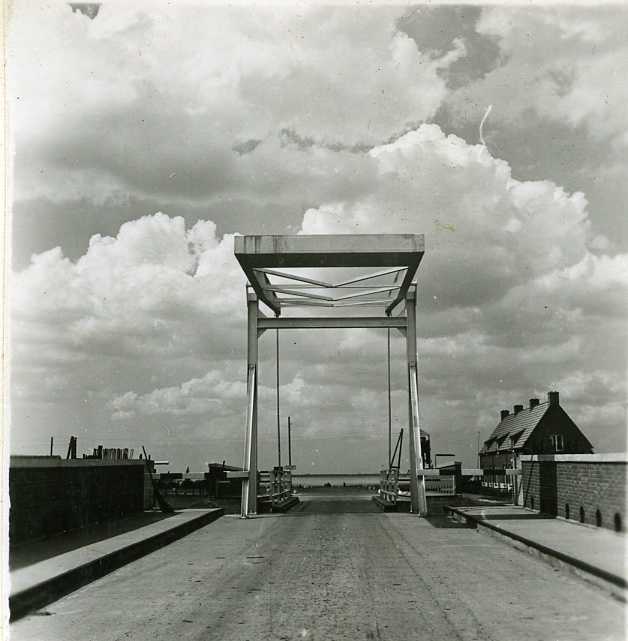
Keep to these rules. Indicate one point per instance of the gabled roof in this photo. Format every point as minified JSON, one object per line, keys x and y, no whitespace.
{"x":515,"y":429}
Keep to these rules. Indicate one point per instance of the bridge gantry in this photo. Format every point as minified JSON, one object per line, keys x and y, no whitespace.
{"x":392,"y":287}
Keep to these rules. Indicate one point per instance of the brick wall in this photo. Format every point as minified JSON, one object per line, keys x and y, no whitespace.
{"x":590,"y":488}
{"x":51,"y":495}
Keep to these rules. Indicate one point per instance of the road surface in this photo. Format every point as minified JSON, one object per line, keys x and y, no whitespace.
{"x":336,"y":568}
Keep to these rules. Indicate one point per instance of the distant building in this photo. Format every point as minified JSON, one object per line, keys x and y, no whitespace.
{"x":218,"y":485}
{"x":540,"y":428}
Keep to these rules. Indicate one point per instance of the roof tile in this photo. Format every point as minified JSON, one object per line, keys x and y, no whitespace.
{"x":520,"y":426}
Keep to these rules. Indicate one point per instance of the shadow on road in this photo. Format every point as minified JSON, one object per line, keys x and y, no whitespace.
{"x":446,"y":522}
{"x":31,"y":552}
{"x":338,"y":502}
{"x":349,"y":506}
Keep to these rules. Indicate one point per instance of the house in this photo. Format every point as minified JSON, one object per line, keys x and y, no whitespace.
{"x":540,"y":428}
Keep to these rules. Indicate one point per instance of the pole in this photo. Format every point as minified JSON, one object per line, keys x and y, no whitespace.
{"x":52,"y":440}
{"x":249,"y":485}
{"x":389,"y":404}
{"x":289,"y":445}
{"x":417,"y":489}
{"x":278,"y":426}
{"x":478,"y":450}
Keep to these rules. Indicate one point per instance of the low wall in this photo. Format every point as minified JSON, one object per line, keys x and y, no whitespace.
{"x":50,"y":495}
{"x":589,"y":488}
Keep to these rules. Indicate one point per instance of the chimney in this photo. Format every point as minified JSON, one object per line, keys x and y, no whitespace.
{"x":503,"y":414}
{"x":552,"y":397}
{"x":517,"y":409}
{"x":533,"y":403}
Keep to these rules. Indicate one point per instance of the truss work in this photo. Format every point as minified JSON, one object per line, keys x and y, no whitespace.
{"x":277,"y":271}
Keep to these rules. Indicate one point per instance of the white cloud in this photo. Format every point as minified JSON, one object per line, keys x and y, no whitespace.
{"x":156,"y":98}
{"x":510,"y":297}
{"x":473,"y":212}
{"x":509,"y":292}
{"x":517,"y":294}
{"x":566,"y":65}
{"x":198,"y":396}
{"x":156,"y":292}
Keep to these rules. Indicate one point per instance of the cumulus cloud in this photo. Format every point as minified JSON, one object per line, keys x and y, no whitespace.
{"x":510,"y":296}
{"x":511,"y":301}
{"x":198,"y":396}
{"x":467,"y":199}
{"x":209,"y":91}
{"x":259,"y":111}
{"x":579,"y":83}
{"x":146,"y":294}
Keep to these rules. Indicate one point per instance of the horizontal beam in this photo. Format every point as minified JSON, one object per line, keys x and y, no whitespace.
{"x":332,"y":322}
{"x":237,"y":474}
{"x":322,"y":250}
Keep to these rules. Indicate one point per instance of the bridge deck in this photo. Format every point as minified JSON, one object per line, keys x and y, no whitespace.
{"x":334,"y":569}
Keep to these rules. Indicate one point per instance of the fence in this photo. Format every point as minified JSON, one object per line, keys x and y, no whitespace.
{"x":395,"y":487}
{"x":440,"y":484}
{"x":275,"y":484}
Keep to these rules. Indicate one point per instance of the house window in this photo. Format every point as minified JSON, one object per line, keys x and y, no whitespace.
{"x":558,"y":443}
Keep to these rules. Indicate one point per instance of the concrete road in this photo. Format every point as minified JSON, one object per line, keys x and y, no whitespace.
{"x":334,"y":569}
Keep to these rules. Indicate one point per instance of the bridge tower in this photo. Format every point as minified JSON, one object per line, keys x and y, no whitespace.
{"x":278,"y":269}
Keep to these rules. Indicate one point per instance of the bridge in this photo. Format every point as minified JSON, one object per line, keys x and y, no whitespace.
{"x":336,"y":565}
{"x":274,"y":266}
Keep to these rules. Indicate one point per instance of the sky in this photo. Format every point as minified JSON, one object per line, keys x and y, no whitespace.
{"x":146,"y":137}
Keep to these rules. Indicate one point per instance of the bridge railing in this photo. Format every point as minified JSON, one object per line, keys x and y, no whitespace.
{"x":275,"y":484}
{"x":440,"y":484}
{"x":394,"y":486}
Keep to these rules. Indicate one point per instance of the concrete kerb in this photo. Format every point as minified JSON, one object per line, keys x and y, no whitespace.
{"x":54,"y":587}
{"x":612,"y":583}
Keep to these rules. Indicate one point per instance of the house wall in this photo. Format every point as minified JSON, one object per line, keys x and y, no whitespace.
{"x":557,"y":421}
{"x":49,"y":495}
{"x":498,"y":461}
{"x":562,"y":485}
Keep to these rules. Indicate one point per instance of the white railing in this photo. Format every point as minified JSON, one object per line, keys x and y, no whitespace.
{"x":440,"y":484}
{"x":275,"y":484}
{"x":395,"y":487}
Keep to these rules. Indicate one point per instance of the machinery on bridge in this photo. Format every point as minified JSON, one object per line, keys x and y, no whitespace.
{"x":394,"y":486}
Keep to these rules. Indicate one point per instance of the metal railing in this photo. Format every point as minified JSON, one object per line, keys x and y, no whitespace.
{"x":394,"y":487}
{"x":440,"y":484}
{"x":275,"y":484}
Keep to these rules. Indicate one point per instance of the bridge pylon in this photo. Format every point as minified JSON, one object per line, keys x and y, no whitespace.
{"x":265,"y":261}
